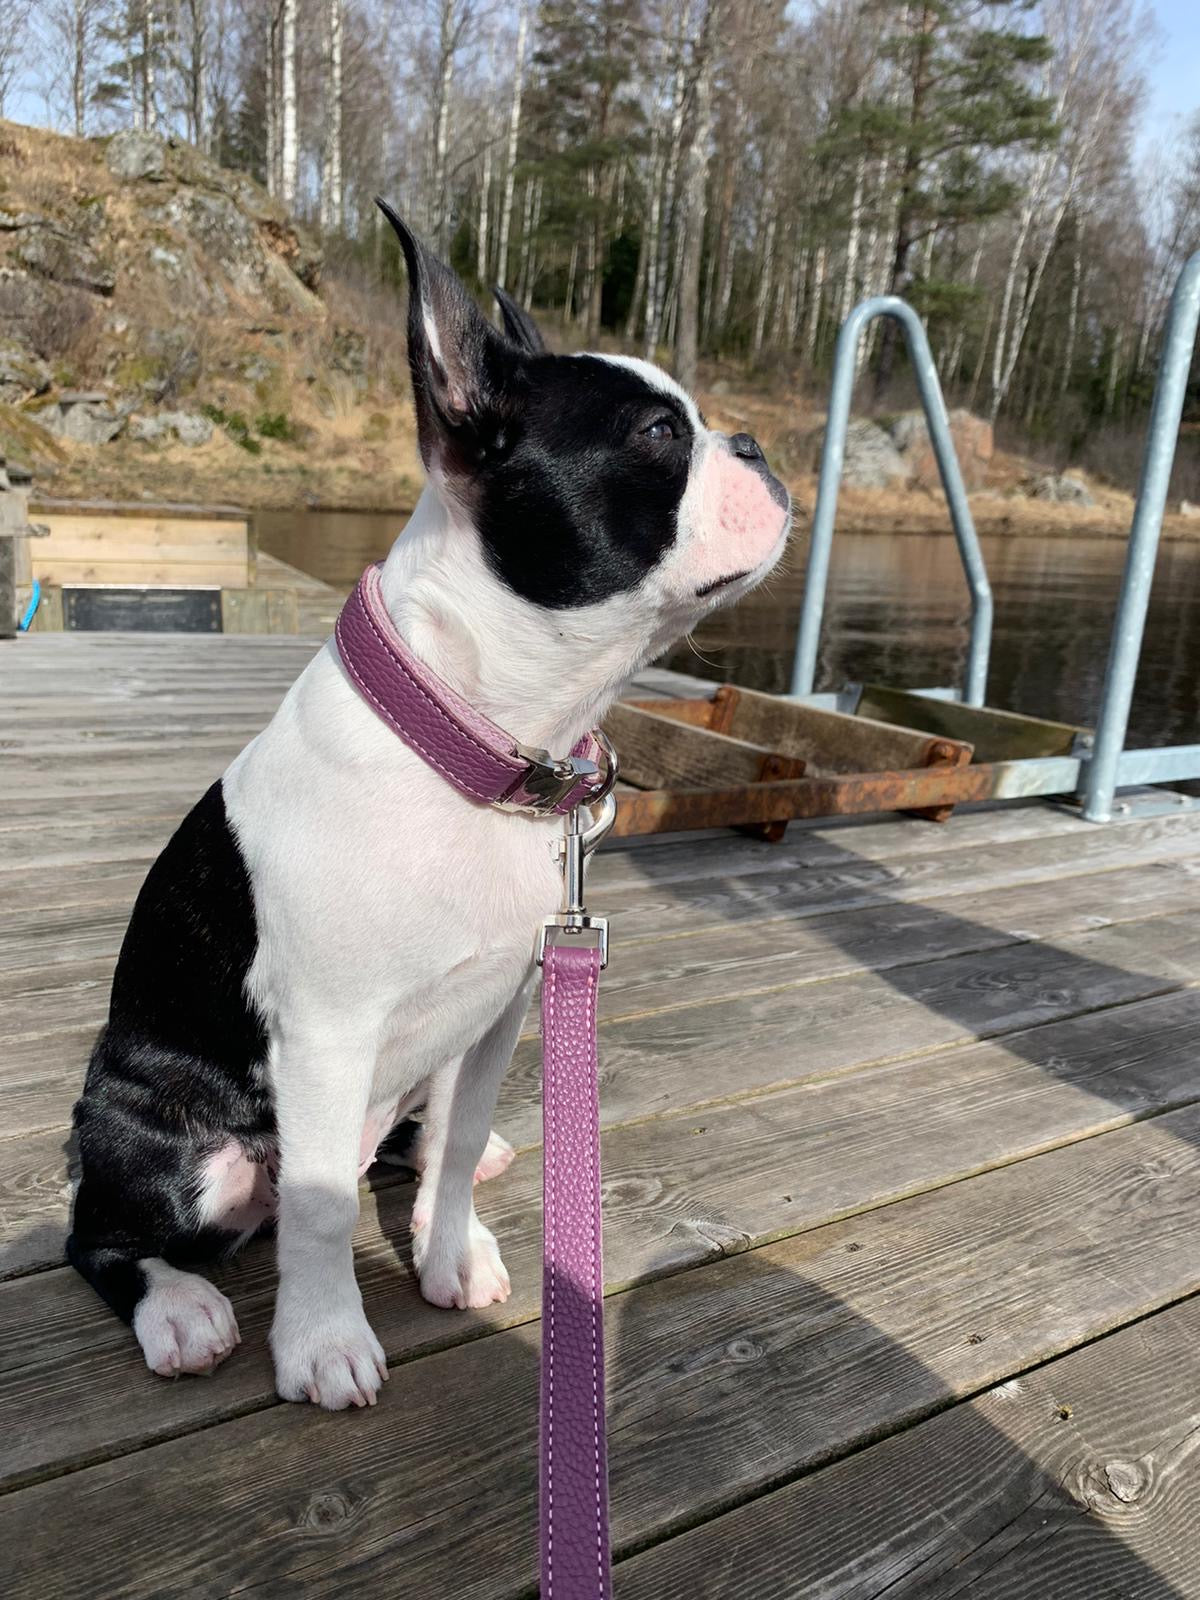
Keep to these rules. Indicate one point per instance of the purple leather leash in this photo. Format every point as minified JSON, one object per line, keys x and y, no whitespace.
{"x":573,"y":1478}
{"x":573,"y":1472}
{"x":485,"y":763}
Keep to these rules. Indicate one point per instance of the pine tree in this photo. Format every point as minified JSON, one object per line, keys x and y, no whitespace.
{"x":581,"y":118}
{"x":960,"y":91}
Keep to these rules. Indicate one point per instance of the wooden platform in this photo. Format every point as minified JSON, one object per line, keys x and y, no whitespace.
{"x":124,"y":549}
{"x":902,"y":1196}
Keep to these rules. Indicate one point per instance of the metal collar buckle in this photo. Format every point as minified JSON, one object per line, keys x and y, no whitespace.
{"x":547,"y":782}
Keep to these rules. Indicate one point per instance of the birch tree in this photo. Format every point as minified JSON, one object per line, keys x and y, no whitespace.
{"x":453,"y":19}
{"x":510,"y":155}
{"x":331,"y":163}
{"x":695,"y":180}
{"x":663,"y":201}
{"x":1092,"y":80}
{"x":14,"y":25}
{"x":72,"y":34}
{"x":149,"y":75}
{"x":289,"y":149}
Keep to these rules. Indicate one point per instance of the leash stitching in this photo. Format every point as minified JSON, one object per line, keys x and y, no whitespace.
{"x":553,"y":1155}
{"x":597,"y":1312}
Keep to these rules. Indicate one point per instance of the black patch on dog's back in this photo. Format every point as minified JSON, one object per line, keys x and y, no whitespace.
{"x":581,"y":504}
{"x":180,"y":980}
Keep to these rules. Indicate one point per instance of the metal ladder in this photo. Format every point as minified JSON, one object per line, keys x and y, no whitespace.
{"x":1094,"y":775}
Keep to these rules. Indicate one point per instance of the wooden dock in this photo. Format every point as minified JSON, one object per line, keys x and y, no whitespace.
{"x":902,"y":1199}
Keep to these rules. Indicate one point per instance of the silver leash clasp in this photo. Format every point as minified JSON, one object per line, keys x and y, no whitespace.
{"x":573,"y":925}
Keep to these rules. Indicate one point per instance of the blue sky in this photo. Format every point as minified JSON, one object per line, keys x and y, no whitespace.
{"x":1175,"y":73}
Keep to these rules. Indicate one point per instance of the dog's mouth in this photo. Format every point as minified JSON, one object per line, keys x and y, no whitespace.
{"x":722,"y":583}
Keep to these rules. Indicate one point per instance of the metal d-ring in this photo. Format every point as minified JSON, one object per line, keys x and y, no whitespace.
{"x":612,"y":763}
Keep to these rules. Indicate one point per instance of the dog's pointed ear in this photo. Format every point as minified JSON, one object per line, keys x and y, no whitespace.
{"x":520,"y":327}
{"x":465,"y":378}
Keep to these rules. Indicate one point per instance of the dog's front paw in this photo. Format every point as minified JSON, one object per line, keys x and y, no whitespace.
{"x":333,"y":1360}
{"x":472,"y":1277}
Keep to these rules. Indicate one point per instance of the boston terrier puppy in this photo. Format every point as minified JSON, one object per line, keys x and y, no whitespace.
{"x":336,"y":936}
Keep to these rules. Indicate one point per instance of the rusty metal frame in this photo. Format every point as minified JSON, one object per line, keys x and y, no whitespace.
{"x":925,"y":789}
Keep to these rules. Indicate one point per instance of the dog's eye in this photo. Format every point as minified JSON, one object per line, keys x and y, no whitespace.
{"x":661,"y":428}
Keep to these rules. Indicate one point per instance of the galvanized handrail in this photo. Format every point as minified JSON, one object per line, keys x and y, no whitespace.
{"x":1101,"y":774}
{"x":845,"y":362}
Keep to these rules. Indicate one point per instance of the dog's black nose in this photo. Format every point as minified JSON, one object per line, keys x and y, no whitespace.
{"x":748,"y":448}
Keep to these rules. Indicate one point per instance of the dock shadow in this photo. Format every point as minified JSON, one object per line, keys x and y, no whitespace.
{"x":1057,"y":983}
{"x":832,"y":1460}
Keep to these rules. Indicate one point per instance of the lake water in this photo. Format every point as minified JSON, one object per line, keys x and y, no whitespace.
{"x":896,"y":612}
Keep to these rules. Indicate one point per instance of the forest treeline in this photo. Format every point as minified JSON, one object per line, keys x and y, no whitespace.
{"x":697,"y":178}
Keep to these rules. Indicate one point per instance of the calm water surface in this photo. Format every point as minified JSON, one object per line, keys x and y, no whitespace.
{"x":896,"y":612}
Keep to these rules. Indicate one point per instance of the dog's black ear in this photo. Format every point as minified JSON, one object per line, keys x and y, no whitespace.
{"x":465,"y":380}
{"x":518,"y":324}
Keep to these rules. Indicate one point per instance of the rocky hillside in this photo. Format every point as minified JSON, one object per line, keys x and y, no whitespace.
{"x":167,"y":333}
{"x":164,"y":330}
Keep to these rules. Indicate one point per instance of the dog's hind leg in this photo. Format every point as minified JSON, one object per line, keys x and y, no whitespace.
{"x":182,"y":1322}
{"x":402,"y":1148}
{"x":497,"y":1157}
{"x":147,"y":1205}
{"x":456,"y":1257}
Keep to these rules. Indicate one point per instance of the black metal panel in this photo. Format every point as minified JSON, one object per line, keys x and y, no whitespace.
{"x":142,"y":610}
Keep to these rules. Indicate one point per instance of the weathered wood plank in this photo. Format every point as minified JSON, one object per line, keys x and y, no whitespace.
{"x":75,"y":540}
{"x":138,"y":510}
{"x":169,"y":572}
{"x":171,"y":707}
{"x":56,"y":754}
{"x":722,"y":1382}
{"x":659,"y":752}
{"x":780,"y":1036}
{"x":68,"y":933}
{"x":829,"y":741}
{"x":64,"y":1003}
{"x":996,"y":735}
{"x":60,"y":854}
{"x":45,"y":777}
{"x":111,"y":883}
{"x":847,"y":880}
{"x":130,"y":736}
{"x":1078,"y":1480}
{"x":681,"y":1190}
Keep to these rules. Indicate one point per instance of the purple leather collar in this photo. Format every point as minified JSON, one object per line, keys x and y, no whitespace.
{"x":471,"y":752}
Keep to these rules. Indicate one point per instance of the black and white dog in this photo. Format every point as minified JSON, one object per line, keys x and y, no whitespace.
{"x":335,"y":936}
